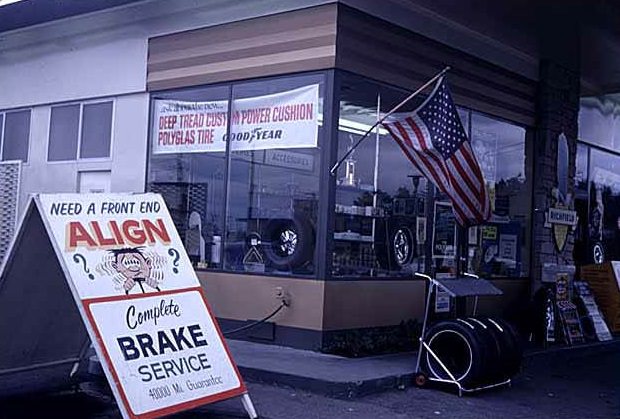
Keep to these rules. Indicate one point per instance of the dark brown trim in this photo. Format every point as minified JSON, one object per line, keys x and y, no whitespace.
{"x":377,"y":49}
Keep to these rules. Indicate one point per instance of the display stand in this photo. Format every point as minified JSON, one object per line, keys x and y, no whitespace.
{"x":467,"y":286}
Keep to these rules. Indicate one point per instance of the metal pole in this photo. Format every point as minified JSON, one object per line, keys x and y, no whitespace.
{"x":431,"y":284}
{"x":397,"y":107}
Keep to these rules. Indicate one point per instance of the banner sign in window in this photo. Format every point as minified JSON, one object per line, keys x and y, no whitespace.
{"x":281,"y":120}
{"x":141,"y":301}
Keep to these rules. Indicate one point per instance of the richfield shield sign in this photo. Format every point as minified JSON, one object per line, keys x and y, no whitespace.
{"x":561,"y":221}
{"x":561,"y":218}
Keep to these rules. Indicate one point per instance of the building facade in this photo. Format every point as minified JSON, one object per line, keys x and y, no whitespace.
{"x":136,"y":96}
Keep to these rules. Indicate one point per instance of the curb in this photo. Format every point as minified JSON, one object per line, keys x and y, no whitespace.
{"x":354,"y":389}
{"x":333,"y":389}
{"x":591,"y":348}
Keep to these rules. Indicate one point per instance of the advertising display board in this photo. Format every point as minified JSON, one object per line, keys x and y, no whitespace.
{"x":444,"y":231}
{"x":141,"y":302}
{"x":278,"y":121}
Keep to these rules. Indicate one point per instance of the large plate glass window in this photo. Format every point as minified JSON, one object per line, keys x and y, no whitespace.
{"x":187,"y":167}
{"x":599,"y":120}
{"x":500,"y":247}
{"x":582,"y":253}
{"x":380,"y":223}
{"x":275,"y":138}
{"x":604,"y":207}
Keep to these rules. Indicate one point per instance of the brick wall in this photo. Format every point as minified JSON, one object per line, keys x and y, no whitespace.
{"x":557,"y":112}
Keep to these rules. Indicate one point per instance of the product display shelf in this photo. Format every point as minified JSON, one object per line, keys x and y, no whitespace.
{"x":356,"y":188}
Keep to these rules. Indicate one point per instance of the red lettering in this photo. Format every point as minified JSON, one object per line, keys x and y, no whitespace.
{"x":117,"y":232}
{"x":103,"y":241}
{"x":78,"y":236}
{"x":129,"y":232}
{"x":167,"y":122}
{"x":133,"y":232}
{"x":158,"y":230}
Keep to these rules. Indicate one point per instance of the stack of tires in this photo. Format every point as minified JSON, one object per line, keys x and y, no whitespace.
{"x":478,"y":351}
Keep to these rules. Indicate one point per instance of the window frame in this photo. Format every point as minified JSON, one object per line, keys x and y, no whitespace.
{"x":78,"y":149}
{"x":528,"y":143}
{"x":3,"y":132}
{"x":329,"y":156}
{"x":325,"y":144}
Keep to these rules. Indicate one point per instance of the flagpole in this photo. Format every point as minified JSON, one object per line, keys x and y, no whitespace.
{"x":394,"y":109}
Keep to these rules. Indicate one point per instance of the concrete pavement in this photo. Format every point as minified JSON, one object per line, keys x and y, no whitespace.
{"x":557,"y":383}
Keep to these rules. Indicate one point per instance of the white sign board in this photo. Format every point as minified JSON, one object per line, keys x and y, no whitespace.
{"x":282,"y":120}
{"x":143,"y":306}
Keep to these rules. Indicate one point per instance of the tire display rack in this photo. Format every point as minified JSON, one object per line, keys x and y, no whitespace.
{"x":467,"y":286}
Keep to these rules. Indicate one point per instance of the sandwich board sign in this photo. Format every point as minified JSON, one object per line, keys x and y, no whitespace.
{"x":140,"y":300}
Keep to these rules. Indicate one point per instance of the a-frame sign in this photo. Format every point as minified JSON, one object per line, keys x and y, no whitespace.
{"x":112,"y":268}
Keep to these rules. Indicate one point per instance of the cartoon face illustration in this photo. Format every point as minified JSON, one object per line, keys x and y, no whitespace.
{"x":133,"y":265}
{"x":135,"y":268}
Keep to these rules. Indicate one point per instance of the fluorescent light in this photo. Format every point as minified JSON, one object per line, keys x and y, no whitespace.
{"x":353,"y":127}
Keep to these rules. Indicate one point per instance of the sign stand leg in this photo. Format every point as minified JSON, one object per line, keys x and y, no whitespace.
{"x":248,"y":406}
{"x":83,"y":353}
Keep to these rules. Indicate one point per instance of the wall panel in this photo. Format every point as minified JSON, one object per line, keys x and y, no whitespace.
{"x":296,"y":41}
{"x":374,"y":48}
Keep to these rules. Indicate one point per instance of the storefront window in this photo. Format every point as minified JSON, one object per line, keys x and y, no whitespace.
{"x":388,"y":221}
{"x":273,"y":194}
{"x":581,"y":203}
{"x":604,"y":208}
{"x":387,"y":224}
{"x":499,"y":248}
{"x":599,"y":121}
{"x":189,"y":174}
{"x":380,"y":223}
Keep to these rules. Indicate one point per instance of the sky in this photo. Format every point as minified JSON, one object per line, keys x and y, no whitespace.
{"x":5,"y":2}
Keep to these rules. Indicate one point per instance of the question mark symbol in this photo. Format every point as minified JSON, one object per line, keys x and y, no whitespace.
{"x":175,"y":255}
{"x":78,"y":258}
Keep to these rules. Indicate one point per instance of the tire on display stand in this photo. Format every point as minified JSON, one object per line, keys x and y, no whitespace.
{"x":511,"y":345}
{"x":288,"y":243}
{"x":493,"y":354}
{"x":459,"y":347}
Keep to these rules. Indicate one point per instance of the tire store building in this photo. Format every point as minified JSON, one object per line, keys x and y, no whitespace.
{"x":134,"y":96}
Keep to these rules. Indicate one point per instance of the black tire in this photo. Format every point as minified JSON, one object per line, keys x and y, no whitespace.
{"x":396,"y":244}
{"x":597,"y":252}
{"x":459,"y":346}
{"x":511,"y":345}
{"x":493,"y":354}
{"x":514,"y":360}
{"x":402,"y":245}
{"x":288,"y":243}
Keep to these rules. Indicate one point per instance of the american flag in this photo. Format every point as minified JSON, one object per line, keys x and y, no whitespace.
{"x":433,"y":139}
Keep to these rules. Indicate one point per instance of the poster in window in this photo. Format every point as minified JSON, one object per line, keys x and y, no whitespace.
{"x":421,"y":229}
{"x":472,"y":236}
{"x":508,"y":249}
{"x":501,"y":249}
{"x":284,"y":120}
{"x":444,"y":231}
{"x":484,"y":144}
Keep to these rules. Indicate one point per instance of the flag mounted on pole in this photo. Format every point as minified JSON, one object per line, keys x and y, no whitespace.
{"x":434,"y":140}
